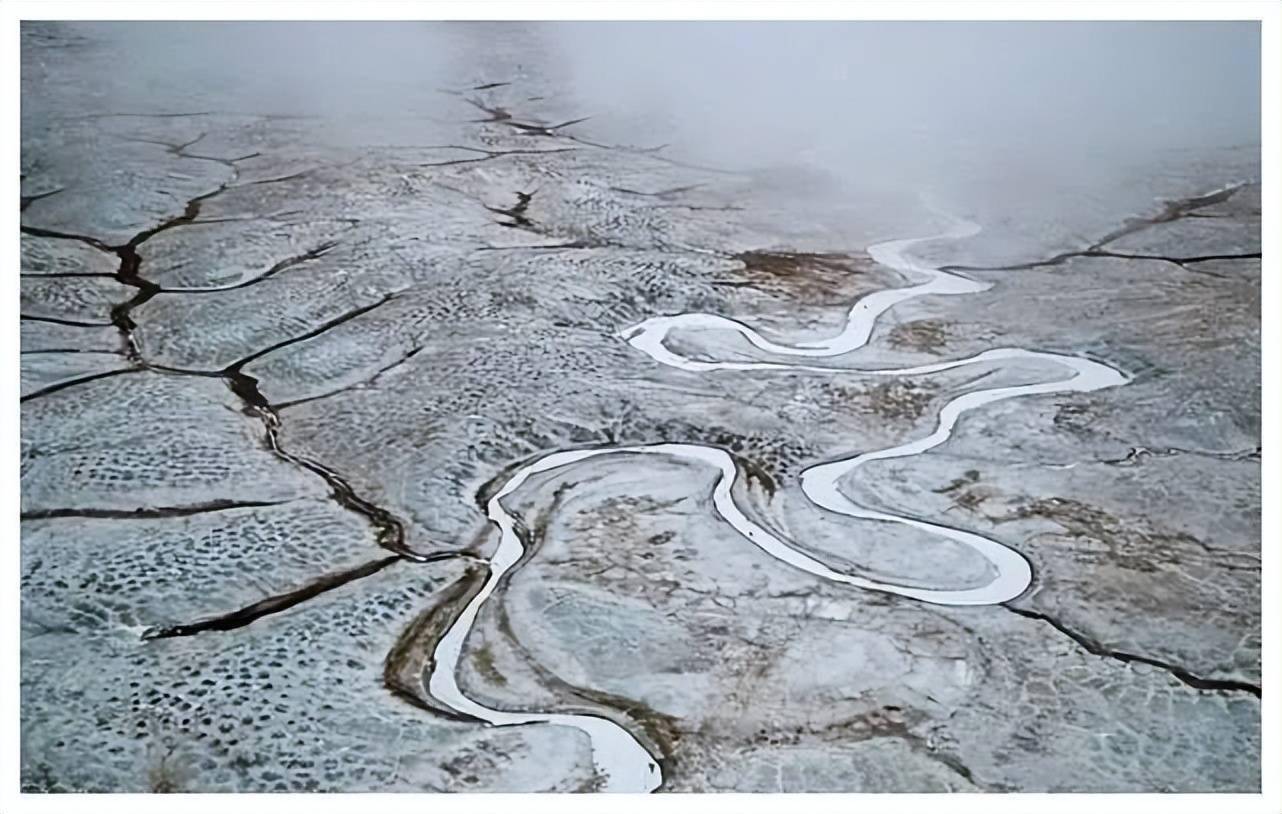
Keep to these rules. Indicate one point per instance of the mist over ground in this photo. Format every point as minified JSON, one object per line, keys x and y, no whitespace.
{"x":888,"y":98}
{"x":848,"y":96}
{"x":1012,"y":122}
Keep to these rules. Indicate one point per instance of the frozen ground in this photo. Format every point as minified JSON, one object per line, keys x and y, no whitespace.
{"x":271,"y":378}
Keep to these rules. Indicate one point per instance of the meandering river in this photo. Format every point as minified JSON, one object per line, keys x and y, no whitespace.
{"x":620,"y":760}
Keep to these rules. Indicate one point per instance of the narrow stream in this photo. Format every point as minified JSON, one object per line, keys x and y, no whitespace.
{"x":620,"y":760}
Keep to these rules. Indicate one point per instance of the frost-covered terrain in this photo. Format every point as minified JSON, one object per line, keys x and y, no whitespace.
{"x":458,"y":447}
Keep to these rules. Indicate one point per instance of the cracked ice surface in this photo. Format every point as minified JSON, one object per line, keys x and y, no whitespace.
{"x":287,"y":406}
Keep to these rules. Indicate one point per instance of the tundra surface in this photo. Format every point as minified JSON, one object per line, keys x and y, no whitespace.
{"x":461,"y":444}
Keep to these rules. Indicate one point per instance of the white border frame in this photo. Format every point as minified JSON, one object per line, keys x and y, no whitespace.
{"x":1269,"y":14}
